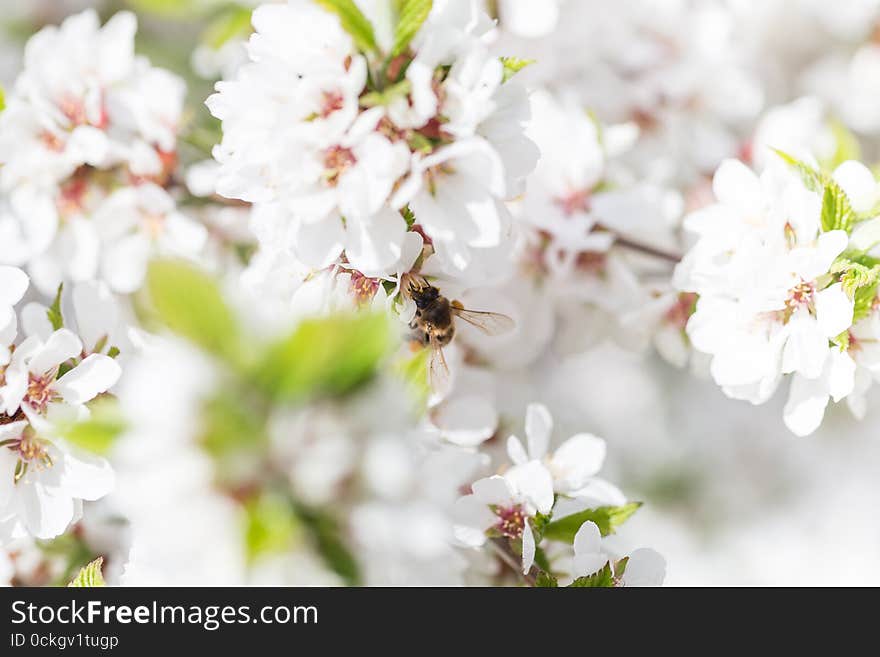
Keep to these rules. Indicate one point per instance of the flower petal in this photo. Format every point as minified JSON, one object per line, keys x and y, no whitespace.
{"x":539,"y":426}
{"x":645,"y":567}
{"x":96,"y":374}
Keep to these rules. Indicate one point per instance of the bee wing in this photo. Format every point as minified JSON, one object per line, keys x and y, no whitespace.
{"x":488,"y":323}
{"x":438,"y":370}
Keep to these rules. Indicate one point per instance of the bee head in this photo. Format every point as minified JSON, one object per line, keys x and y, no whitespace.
{"x":424,"y":296}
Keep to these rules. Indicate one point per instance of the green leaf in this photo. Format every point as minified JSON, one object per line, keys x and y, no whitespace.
{"x":172,"y":8}
{"x":90,"y":575}
{"x":607,"y":518}
{"x":411,"y":15}
{"x":837,"y":213}
{"x":854,"y":275}
{"x":408,"y":216}
{"x":2,"y":99}
{"x":233,"y":22}
{"x":329,"y":355}
{"x":813,"y":180}
{"x":863,"y":301}
{"x":190,"y":303}
{"x":353,"y":22}
{"x":271,"y":527}
{"x":230,"y":427}
{"x":513,"y":65}
{"x":414,"y":372}
{"x":100,"y":430}
{"x":546,"y":580}
{"x":56,"y":319}
{"x":602,"y":578}
{"x":327,"y":535}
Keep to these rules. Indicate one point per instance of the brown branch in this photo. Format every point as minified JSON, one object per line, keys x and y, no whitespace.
{"x":628,"y":243}
{"x":502,"y":551}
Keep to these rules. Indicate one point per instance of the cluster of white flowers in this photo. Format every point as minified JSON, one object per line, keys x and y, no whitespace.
{"x":676,"y":175}
{"x":786,"y":286}
{"x":88,"y":142}
{"x":338,"y":143}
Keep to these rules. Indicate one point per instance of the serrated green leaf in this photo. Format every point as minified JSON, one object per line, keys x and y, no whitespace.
{"x":813,"y":180}
{"x":513,"y":65}
{"x":330,"y":355}
{"x":189,"y":302}
{"x":100,"y":430}
{"x":607,"y":519}
{"x":837,"y":213}
{"x":353,"y":22}
{"x":53,"y":313}
{"x":408,"y":216}
{"x":602,"y":578}
{"x":411,"y":15}
{"x":546,"y":580}
{"x":90,"y":575}
{"x":863,"y":301}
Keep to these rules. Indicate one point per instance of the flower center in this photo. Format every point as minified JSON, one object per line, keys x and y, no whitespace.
{"x":363,"y":288}
{"x":39,"y":391}
{"x":31,"y":450}
{"x":800,"y":295}
{"x":511,"y":521}
{"x":337,"y":160}
{"x":331,"y":101}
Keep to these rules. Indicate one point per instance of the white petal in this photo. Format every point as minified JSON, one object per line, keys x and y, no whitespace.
{"x":60,"y":346}
{"x":87,"y":477}
{"x":858,"y":183}
{"x":577,"y":459}
{"x":319,"y":244}
{"x":466,"y":421}
{"x":834,"y":310}
{"x":841,"y":373}
{"x":539,"y":426}
{"x":96,"y":312}
{"x":528,"y":548}
{"x":533,"y":482}
{"x":35,"y":321}
{"x":124,"y":264}
{"x":736,"y":185}
{"x":645,"y":567}
{"x":516,"y":451}
{"x":94,"y":375}
{"x":47,"y":511}
{"x":806,"y":404}
{"x":588,"y":538}
{"x":13,"y":285}
{"x":374,"y":244}
{"x":493,"y":490}
{"x":806,"y":347}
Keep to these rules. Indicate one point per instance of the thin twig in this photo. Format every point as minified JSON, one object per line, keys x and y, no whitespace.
{"x":628,"y":243}
{"x":502,"y":550}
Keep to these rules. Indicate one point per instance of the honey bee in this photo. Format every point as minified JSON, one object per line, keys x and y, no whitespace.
{"x":433,"y":325}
